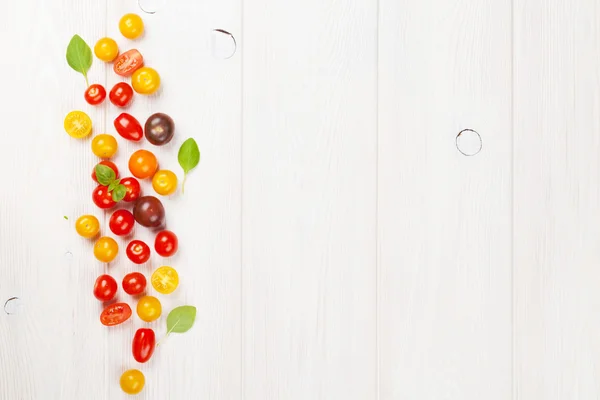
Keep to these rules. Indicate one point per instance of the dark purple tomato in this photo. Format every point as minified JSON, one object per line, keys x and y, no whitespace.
{"x":149,"y":212}
{"x":159,"y":129}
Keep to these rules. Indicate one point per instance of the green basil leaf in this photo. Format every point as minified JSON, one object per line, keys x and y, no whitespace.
{"x":113,"y":185}
{"x":189,"y":155}
{"x":105,"y":175}
{"x":181,"y":319}
{"x":65,"y":217}
{"x":119,"y":193}
{"x":79,"y":56}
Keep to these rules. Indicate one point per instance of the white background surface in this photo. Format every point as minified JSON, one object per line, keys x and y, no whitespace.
{"x":335,"y":242}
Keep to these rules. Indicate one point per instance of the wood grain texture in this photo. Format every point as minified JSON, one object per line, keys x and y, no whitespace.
{"x":42,"y":262}
{"x":444,"y":219}
{"x":557,"y":185}
{"x":309,"y":199}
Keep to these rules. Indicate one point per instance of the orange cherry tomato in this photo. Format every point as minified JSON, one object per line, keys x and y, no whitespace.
{"x":128,"y":62}
{"x":143,"y":164}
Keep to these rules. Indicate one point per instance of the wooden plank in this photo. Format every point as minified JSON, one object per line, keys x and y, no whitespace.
{"x":203,"y":95}
{"x":557,"y":183}
{"x":444,"y":218}
{"x":309,"y":199}
{"x":55,"y":330}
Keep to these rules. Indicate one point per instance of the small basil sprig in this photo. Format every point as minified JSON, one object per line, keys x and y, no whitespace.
{"x":188,"y":157}
{"x":106,"y":177}
{"x":79,"y":56}
{"x":180,"y":320}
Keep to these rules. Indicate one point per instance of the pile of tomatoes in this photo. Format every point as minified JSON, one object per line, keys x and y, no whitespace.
{"x":147,"y":211}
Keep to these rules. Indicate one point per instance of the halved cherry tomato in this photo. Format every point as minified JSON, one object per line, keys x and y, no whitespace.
{"x":115,"y":314}
{"x":128,"y":62}
{"x":166,"y":243}
{"x":143,"y":164}
{"x":144,"y":342}
{"x":134,"y":283}
{"x":165,"y":280}
{"x":129,"y":127}
{"x":78,"y":124}
{"x":110,"y":165}
{"x":102,"y":197}
{"x":133,"y":189}
{"x":105,"y":288}
{"x":121,"y":222}
{"x":121,"y":94}
{"x":138,"y":251}
{"x":95,"y":94}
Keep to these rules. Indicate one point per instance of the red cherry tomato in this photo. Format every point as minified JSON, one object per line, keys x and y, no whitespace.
{"x":115,"y":314}
{"x":102,"y":197}
{"x":129,"y":127}
{"x":138,"y":251}
{"x":110,"y":165}
{"x":133,"y":189}
{"x":121,"y":222}
{"x":144,"y":342}
{"x":128,"y":62}
{"x":121,"y":94}
{"x":166,"y":243}
{"x":134,"y":283}
{"x":105,"y":288}
{"x":95,"y":94}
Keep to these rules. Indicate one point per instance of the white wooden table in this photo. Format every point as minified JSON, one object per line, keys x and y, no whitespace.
{"x":335,"y":242}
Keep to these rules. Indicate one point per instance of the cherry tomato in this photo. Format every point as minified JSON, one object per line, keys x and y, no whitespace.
{"x":145,"y":80}
{"x":110,"y":165}
{"x":78,"y":124}
{"x":134,"y":283}
{"x":143,"y":164}
{"x":166,"y":243}
{"x":115,"y":314}
{"x":121,"y":94}
{"x":129,"y":127}
{"x":102,"y":197}
{"x":149,"y":308}
{"x":128,"y":62}
{"x":121,"y":222}
{"x":133,"y":189}
{"x":132,"y":381}
{"x":105,"y":288}
{"x":149,"y":212}
{"x":138,"y":251}
{"x":165,"y":280}
{"x":104,"y":145}
{"x":144,"y":342}
{"x":95,"y":94}
{"x":164,"y":182}
{"x":131,"y":26}
{"x":159,"y":129}
{"x":106,"y":49}
{"x":87,"y":226}
{"x":106,"y":249}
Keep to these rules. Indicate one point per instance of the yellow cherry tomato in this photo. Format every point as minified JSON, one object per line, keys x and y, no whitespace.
{"x":131,"y":26}
{"x":164,"y":182}
{"x":132,"y":381}
{"x":149,"y":308}
{"x":106,"y":249}
{"x":145,"y":80}
{"x":165,"y":280}
{"x":78,"y":124}
{"x":104,"y":145}
{"x":87,"y":226}
{"x":106,"y":49}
